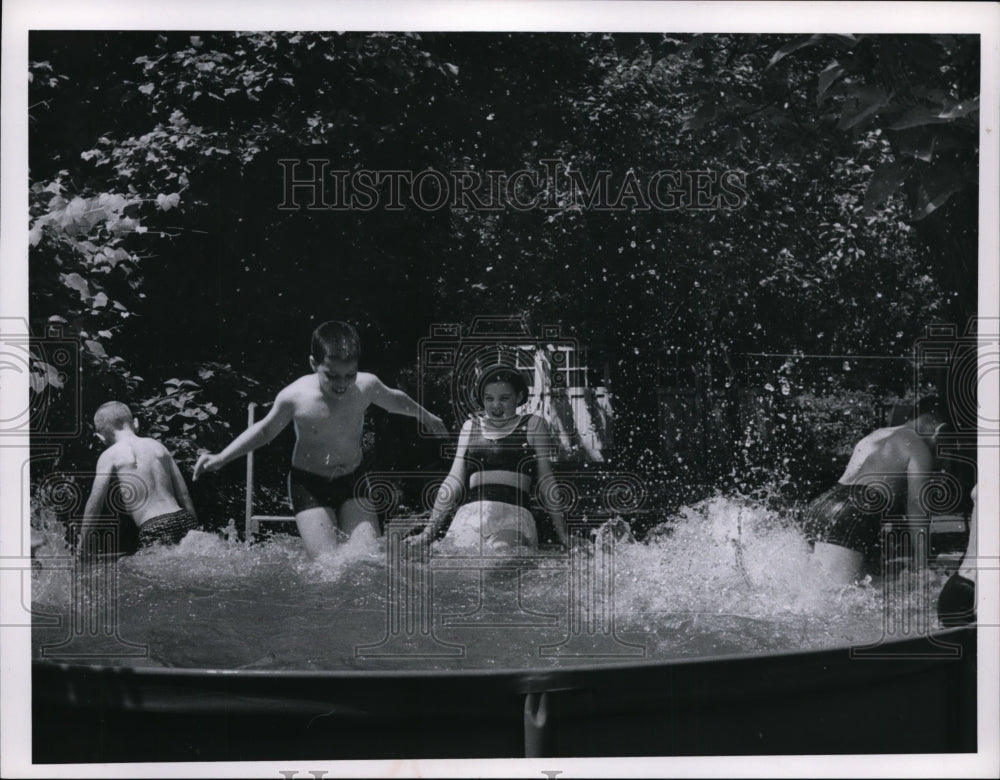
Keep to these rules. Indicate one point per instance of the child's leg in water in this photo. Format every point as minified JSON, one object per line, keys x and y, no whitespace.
{"x":318,"y":529}
{"x":358,"y":521}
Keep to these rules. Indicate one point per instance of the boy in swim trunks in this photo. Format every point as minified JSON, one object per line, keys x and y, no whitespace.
{"x":327,"y":483}
{"x":883,"y":479}
{"x":153,"y":490}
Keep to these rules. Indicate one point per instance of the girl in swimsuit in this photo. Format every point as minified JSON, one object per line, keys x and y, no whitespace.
{"x":501,"y":456}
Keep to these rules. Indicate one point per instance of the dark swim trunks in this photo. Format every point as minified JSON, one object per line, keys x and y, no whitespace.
{"x":957,"y":602}
{"x":308,"y":490}
{"x":167,"y":529}
{"x":839,"y":517}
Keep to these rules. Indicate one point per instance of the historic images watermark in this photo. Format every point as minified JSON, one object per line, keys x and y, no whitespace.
{"x":315,"y":184}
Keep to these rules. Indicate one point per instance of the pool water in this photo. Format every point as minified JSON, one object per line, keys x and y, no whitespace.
{"x":722,"y":577}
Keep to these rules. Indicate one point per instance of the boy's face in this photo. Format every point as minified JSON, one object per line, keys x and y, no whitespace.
{"x":335,"y":376}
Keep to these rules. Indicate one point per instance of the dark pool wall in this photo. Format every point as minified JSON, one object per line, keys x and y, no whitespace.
{"x":913,"y":701}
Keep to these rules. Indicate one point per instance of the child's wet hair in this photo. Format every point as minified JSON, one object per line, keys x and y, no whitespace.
{"x":112,"y":416}
{"x":931,"y":405}
{"x":335,"y":340}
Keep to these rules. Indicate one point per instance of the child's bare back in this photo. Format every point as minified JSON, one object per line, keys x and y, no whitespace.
{"x":146,"y":464}
{"x":152,"y":490}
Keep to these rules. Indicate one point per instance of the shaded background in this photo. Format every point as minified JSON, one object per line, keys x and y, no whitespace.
{"x":727,"y":338}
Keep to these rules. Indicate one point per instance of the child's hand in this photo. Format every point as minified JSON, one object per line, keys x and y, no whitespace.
{"x":436,"y":424}
{"x":206,"y":462}
{"x":423,"y":538}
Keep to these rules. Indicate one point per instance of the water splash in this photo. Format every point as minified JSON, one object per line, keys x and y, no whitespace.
{"x":724,"y":575}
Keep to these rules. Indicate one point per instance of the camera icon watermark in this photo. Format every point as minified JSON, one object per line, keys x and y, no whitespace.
{"x":457,"y":356}
{"x":965,"y":364}
{"x":909,"y":592}
{"x":51,"y":366}
{"x":594,"y":494}
{"x":407,"y":492}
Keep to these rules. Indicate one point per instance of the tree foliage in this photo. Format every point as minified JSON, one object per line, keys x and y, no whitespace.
{"x":156,"y":235}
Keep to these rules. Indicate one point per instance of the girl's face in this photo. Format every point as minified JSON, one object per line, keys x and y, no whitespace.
{"x":500,"y":401}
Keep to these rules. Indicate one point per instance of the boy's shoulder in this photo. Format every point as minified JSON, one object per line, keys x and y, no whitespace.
{"x":131,"y":453}
{"x":366,"y":380}
{"x":304,"y":384}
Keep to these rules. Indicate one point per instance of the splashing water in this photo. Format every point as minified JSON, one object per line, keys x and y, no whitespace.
{"x":724,"y":576}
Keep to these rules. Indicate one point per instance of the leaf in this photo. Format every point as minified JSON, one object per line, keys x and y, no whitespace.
{"x":146,"y":89}
{"x":788,"y":48}
{"x":74,"y":210}
{"x":703,"y":116}
{"x":936,"y":187}
{"x":96,"y":348}
{"x":37,"y":382}
{"x":113,"y":203}
{"x":123,"y":225}
{"x":830,"y":74}
{"x":959,"y":110}
{"x":884,"y":182}
{"x":78,"y":283}
{"x":868,"y":101}
{"x":167,"y":202}
{"x":916,"y":117}
{"x":918,"y":144}
{"x":100,"y":300}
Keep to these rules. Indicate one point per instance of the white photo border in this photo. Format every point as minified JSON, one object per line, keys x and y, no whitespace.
{"x":20,"y":16}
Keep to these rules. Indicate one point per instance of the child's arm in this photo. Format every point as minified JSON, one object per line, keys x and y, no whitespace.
{"x":181,"y":493}
{"x":449,"y":492}
{"x":398,"y":402}
{"x":95,"y":502}
{"x":541,"y":440}
{"x":257,"y":435}
{"x":920,"y":469}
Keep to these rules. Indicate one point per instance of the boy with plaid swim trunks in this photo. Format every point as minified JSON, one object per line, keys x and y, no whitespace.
{"x":327,"y":483}
{"x":153,"y":490}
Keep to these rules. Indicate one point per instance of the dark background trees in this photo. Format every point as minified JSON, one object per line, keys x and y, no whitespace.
{"x":156,"y":236}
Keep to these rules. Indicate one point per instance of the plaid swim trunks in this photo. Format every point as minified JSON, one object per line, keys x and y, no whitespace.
{"x":167,"y":529}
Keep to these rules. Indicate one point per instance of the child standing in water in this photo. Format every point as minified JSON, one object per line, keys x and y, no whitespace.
{"x":503,"y":455}
{"x":898,"y":460}
{"x":327,"y":484}
{"x":154,"y":494}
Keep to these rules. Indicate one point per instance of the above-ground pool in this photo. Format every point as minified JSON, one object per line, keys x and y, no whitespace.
{"x":713,"y":637}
